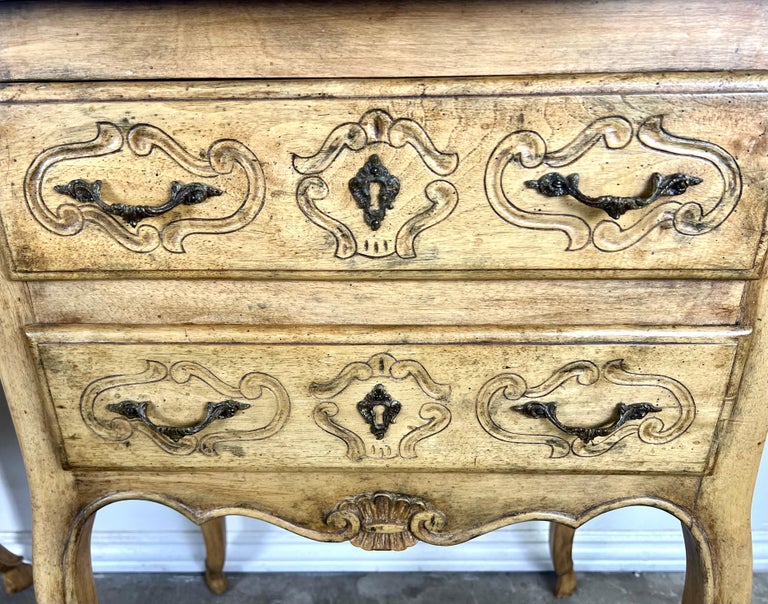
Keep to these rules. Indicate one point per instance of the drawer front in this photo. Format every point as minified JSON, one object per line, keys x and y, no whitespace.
{"x":425,"y":399}
{"x":451,"y":177}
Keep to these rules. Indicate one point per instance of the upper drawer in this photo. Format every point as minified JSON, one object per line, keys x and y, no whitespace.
{"x":448,"y":178}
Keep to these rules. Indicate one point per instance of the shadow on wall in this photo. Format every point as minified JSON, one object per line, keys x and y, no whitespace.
{"x":15,"y":506}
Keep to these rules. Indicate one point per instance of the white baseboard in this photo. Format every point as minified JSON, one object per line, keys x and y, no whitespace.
{"x":268,"y":549}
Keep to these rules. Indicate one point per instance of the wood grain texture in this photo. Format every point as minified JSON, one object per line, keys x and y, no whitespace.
{"x":51,"y":523}
{"x":561,"y":549}
{"x":215,"y":536}
{"x":517,"y":302}
{"x":463,"y":209}
{"x":474,"y":502}
{"x":718,"y":543}
{"x":88,"y":41}
{"x":697,"y":82}
{"x":455,"y":412}
{"x":276,"y":305}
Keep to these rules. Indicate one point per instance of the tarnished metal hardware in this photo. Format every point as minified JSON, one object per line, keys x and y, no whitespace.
{"x":360,"y":186}
{"x":379,"y":410}
{"x":137,"y":410}
{"x":544,"y":410}
{"x":181,"y":194}
{"x":554,"y":184}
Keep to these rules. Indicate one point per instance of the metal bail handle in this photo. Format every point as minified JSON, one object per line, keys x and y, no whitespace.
{"x":181,"y":194}
{"x":554,"y":184}
{"x":137,"y":410}
{"x":624,"y":412}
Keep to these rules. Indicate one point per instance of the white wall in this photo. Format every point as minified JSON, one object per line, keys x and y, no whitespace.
{"x":142,"y":536}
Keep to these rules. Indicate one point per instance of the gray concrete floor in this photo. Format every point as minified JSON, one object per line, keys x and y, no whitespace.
{"x":391,"y":588}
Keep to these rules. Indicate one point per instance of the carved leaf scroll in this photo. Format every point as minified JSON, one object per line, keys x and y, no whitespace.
{"x":501,"y":395}
{"x":63,"y":217}
{"x":375,"y":127}
{"x":252,"y":387}
{"x":527,"y":150}
{"x":384,"y":521}
{"x":361,"y":442}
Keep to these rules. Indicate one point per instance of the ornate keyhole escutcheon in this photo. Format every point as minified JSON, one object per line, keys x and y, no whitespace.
{"x":323,"y":195}
{"x":360,"y":186}
{"x":425,"y":415}
{"x":379,"y":410}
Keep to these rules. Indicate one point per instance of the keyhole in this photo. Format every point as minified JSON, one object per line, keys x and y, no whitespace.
{"x":374,"y":188}
{"x":378,"y":415}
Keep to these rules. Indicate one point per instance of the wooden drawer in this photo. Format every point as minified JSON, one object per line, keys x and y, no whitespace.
{"x":463,"y":399}
{"x":361,"y":178}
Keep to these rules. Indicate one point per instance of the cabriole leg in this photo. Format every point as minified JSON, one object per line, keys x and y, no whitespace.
{"x":16,"y":574}
{"x":719,"y":562}
{"x":561,"y":548}
{"x":61,"y":549}
{"x":215,"y":537}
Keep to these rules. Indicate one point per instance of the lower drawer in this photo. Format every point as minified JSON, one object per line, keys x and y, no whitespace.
{"x":459,"y":399}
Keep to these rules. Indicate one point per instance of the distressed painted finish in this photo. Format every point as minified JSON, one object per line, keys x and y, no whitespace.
{"x":461,"y":290}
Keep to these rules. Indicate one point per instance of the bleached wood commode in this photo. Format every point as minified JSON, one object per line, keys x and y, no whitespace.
{"x":387,"y":273}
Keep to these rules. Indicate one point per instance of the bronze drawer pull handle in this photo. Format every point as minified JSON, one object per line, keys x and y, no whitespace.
{"x":181,"y":194}
{"x":554,"y":184}
{"x":137,"y":410}
{"x":625,"y":413}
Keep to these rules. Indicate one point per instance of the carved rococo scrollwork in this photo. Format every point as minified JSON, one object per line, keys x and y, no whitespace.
{"x":527,"y":150}
{"x":375,"y":127}
{"x":494,"y":410}
{"x":384,"y":521}
{"x":117,"y":422}
{"x":141,"y":140}
{"x":363,"y":438}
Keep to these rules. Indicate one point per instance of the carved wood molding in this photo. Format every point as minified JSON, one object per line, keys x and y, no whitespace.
{"x":425,"y":522}
{"x":59,"y":215}
{"x":366,"y":519}
{"x":384,"y":521}
{"x":374,"y":127}
{"x":111,"y":425}
{"x":361,"y":443}
{"x":494,"y":411}
{"x":527,"y":150}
